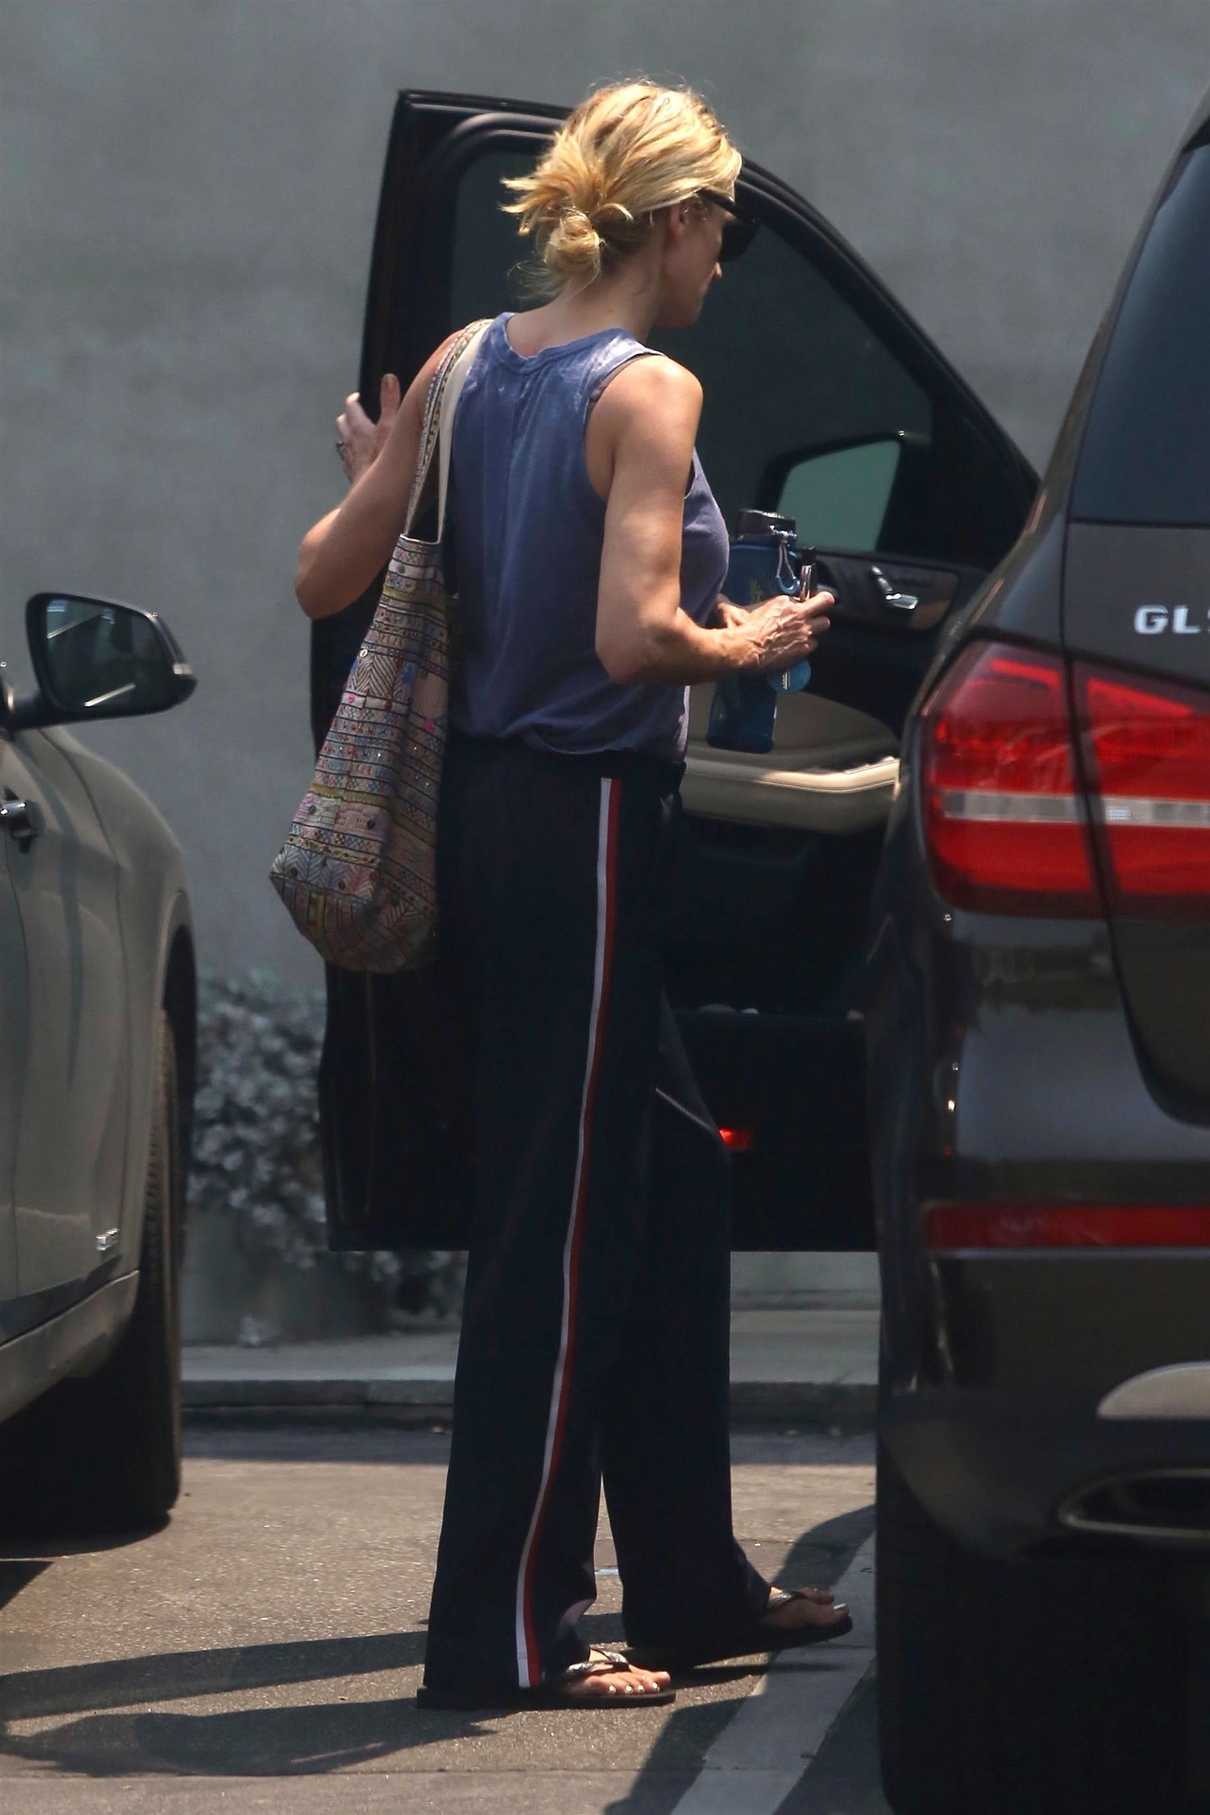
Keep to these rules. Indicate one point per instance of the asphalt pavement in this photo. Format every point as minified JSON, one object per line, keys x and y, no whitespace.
{"x":264,"y":1647}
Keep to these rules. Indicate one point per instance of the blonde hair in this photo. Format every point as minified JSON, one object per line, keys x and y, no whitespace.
{"x":627,"y":150}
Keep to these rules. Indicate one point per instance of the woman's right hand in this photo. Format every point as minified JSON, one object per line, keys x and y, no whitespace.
{"x":783,"y":631}
{"x":359,"y":441}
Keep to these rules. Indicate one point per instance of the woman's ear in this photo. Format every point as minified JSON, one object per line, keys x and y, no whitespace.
{"x":677,"y":218}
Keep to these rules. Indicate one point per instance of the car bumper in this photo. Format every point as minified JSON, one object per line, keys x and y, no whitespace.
{"x":1059,"y":1400}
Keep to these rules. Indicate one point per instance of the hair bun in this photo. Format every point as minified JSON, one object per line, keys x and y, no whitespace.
{"x":627,"y":151}
{"x":574,"y":245}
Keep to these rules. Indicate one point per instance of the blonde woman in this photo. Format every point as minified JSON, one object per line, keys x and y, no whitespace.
{"x":591,"y":556}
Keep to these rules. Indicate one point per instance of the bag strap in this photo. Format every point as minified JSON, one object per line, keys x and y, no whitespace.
{"x":449,"y":404}
{"x":444,"y":390}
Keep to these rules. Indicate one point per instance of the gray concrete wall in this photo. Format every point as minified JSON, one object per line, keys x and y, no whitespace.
{"x":187,"y":200}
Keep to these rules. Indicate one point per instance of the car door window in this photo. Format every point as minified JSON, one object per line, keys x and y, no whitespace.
{"x":822,"y":397}
{"x":842,"y":493}
{"x":788,"y":368}
{"x":488,"y":271}
{"x":808,"y":403}
{"x":808,"y":406}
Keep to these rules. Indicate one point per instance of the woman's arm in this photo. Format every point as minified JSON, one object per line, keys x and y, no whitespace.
{"x":645,"y":427}
{"x":342,"y":553}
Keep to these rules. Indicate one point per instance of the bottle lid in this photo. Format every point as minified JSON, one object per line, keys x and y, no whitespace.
{"x":765,"y":523}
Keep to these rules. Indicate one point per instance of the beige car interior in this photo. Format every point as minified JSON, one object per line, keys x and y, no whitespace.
{"x":831,"y":768}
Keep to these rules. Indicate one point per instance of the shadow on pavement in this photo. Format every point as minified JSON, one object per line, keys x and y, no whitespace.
{"x":254,"y":1742}
{"x":823,"y":1554}
{"x":820,"y":1556}
{"x":14,"y":1576}
{"x":116,"y":1733}
{"x":26,"y":1544}
{"x":114,"y":1739}
{"x":261,"y":1742}
{"x":23,"y":1561}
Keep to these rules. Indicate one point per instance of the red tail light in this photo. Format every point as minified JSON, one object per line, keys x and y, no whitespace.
{"x":1147,"y":748}
{"x":965,"y":1226}
{"x":1004,"y":813}
{"x":1004,"y":818}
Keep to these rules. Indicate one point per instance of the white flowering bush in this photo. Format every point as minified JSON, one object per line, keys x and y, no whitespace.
{"x":256,"y":1149}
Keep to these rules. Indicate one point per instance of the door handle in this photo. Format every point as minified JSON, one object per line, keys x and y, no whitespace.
{"x":898,"y":601}
{"x":15,"y":819}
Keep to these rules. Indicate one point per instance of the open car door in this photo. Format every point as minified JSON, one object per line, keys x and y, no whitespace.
{"x":822,"y":400}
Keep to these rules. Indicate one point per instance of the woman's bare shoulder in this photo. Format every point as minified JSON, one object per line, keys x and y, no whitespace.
{"x":429,"y":368}
{"x":657,"y":375}
{"x":418,"y":389}
{"x":652,"y":388}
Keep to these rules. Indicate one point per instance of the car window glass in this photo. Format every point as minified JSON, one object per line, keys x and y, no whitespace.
{"x":1146,"y":453}
{"x":793,"y":372}
{"x":489,"y":254}
{"x":841,"y":494}
{"x":787,"y":366}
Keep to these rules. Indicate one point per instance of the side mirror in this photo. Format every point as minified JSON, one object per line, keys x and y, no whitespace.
{"x":94,"y":658}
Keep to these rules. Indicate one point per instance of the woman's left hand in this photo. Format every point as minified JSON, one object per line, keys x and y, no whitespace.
{"x":734,"y":617}
{"x":729,"y":616}
{"x":360,"y":441}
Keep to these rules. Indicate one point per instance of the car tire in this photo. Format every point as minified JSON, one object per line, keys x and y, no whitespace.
{"x":104,"y":1453}
{"x":1050,"y":1684}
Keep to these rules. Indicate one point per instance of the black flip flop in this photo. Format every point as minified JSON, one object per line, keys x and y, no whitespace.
{"x":554,"y":1694}
{"x":745,"y":1639}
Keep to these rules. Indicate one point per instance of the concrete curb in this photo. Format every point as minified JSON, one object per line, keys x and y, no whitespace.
{"x":788,"y":1368}
{"x":754,"y":1403}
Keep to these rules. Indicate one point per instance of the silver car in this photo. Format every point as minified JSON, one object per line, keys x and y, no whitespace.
{"x":97,"y":980}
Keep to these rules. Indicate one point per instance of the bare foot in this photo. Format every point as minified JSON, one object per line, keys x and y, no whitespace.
{"x":614,"y":1679}
{"x":809,"y":1607}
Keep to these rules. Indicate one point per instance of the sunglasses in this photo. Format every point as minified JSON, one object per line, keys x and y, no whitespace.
{"x":738,"y":232}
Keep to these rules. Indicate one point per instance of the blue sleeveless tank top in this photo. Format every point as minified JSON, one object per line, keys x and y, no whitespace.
{"x":527,"y":531}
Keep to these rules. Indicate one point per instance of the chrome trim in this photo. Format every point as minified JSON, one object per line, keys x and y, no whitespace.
{"x":1017,"y":809}
{"x":1142,"y":1527}
{"x":1122,"y":810}
{"x":899,"y":601}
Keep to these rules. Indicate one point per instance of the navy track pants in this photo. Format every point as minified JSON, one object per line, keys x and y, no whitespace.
{"x":595,"y":1330}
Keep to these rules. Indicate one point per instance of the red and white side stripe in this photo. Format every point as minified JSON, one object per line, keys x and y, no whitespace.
{"x":529,"y":1663}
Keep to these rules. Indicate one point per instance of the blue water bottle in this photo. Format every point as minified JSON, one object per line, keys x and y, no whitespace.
{"x":764,"y":561}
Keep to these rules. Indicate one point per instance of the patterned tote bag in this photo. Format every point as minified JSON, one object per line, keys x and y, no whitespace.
{"x":358,"y":870}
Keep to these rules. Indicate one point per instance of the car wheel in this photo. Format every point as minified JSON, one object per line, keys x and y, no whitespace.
{"x":1050,"y":1684}
{"x":104,"y":1453}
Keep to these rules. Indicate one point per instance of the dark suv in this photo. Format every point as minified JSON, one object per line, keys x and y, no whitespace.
{"x":1039,"y":1087}
{"x":1002,"y":766}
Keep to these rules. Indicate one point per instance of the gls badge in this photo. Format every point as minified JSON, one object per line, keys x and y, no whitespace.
{"x":1154,"y":620}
